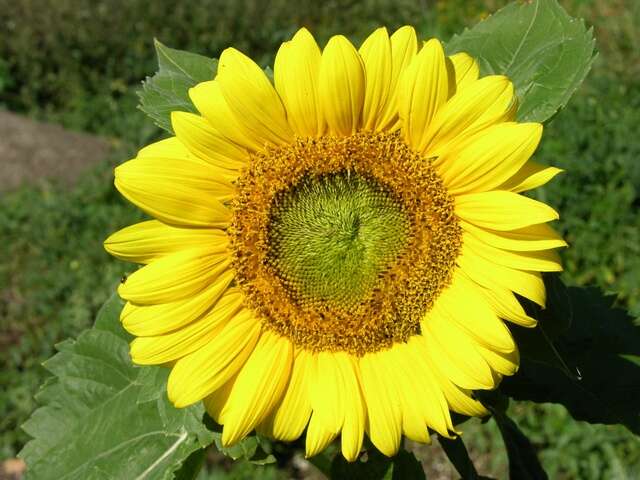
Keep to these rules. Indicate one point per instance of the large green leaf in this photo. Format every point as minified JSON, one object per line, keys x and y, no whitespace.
{"x":544,"y":51}
{"x":168,"y":89}
{"x":96,"y":422}
{"x":537,"y":344}
{"x":599,"y":379}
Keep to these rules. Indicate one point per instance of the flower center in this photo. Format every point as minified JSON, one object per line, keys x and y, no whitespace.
{"x":343,"y":243}
{"x":331,"y":237}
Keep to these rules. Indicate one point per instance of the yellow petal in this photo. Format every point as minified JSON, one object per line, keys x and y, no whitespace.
{"x":178,"y":192}
{"x":167,"y":148}
{"x":161,"y":171}
{"x":252,"y":99}
{"x":463,"y":304}
{"x":336,"y":402}
{"x":459,"y":399}
{"x":327,"y":390}
{"x":404,"y":46}
{"x":175,"y":276}
{"x":376,"y":55}
{"x":341,"y":86}
{"x":210,"y":102}
{"x":424,"y":89}
{"x":531,"y":175}
{"x":296,"y":74}
{"x":200,"y":373}
{"x":494,"y":156}
{"x":216,"y":403}
{"x":533,"y":237}
{"x":148,"y":320}
{"x":318,"y":437}
{"x":507,"y":306}
{"x":503,"y":363}
{"x":199,"y":136}
{"x":491,"y":275}
{"x":433,"y":403}
{"x":354,"y":408}
{"x":291,"y":416}
{"x":147,"y":241}
{"x":158,"y":349}
{"x":258,"y":387}
{"x":538,"y":261}
{"x":414,"y":426}
{"x":465,"y":69}
{"x":461,"y":359}
{"x":383,"y":406}
{"x":482,"y":103}
{"x":501,"y":210}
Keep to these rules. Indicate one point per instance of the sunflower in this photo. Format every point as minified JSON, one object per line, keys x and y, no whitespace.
{"x":337,"y":249}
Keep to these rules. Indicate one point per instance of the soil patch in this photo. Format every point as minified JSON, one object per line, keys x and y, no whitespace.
{"x":32,"y":151}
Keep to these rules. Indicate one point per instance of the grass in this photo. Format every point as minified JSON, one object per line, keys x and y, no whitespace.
{"x":54,"y":273}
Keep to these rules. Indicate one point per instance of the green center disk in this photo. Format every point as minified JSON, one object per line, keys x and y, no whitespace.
{"x":331,"y":237}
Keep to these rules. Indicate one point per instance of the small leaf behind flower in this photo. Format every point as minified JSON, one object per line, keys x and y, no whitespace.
{"x":404,"y":466}
{"x":168,"y":89}
{"x":544,"y":51}
{"x":523,"y":460}
{"x":459,"y":457}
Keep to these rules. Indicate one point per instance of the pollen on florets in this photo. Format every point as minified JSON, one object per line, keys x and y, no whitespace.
{"x":343,"y":243}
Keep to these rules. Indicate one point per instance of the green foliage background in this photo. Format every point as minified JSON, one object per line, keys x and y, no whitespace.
{"x":78,"y":63}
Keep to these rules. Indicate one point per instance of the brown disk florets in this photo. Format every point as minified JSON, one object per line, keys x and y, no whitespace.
{"x":367,"y":205}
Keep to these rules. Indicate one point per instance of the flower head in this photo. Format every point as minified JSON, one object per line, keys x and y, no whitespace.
{"x":338,"y":250}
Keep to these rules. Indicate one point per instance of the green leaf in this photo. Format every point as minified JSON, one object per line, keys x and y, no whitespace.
{"x":601,"y":349}
{"x":459,"y":457}
{"x":168,"y":89}
{"x":375,"y":466}
{"x":91,"y":424}
{"x":544,"y":51}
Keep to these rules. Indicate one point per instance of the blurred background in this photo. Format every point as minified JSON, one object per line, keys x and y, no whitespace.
{"x":69,"y":70}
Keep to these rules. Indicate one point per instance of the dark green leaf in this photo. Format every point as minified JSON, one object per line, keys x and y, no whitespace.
{"x":90,"y":424}
{"x":459,"y":457}
{"x":602,"y":347}
{"x":375,"y":466}
{"x":558,"y":314}
{"x":544,"y":51}
{"x":536,"y":344}
{"x":168,"y":89}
